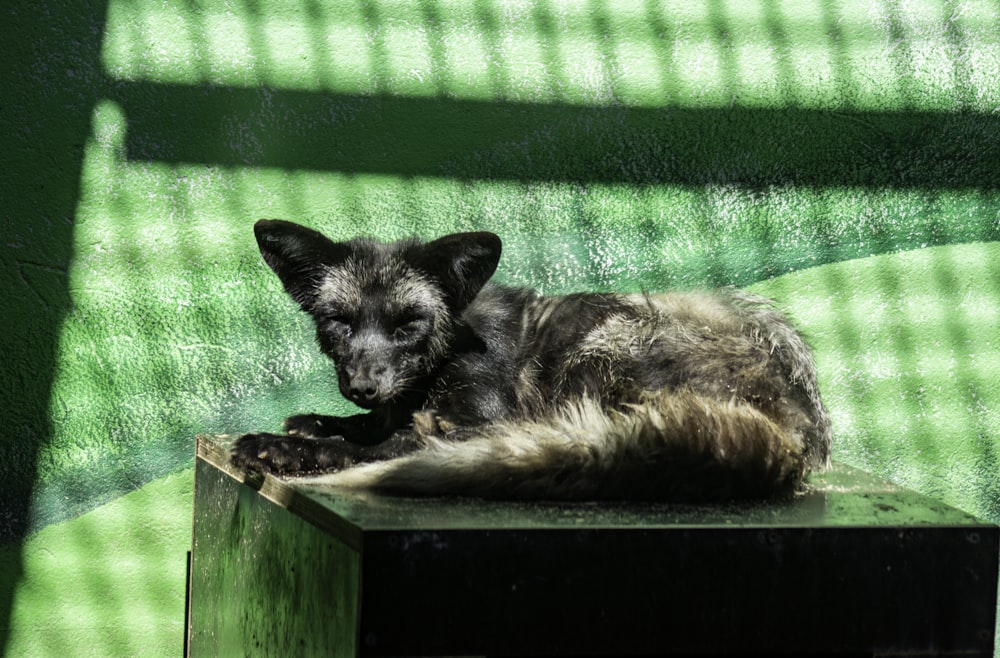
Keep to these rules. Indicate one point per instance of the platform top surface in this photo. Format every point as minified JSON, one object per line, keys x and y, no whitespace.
{"x":842,"y":497}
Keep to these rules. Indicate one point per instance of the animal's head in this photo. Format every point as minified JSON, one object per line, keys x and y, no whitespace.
{"x":385,"y":313}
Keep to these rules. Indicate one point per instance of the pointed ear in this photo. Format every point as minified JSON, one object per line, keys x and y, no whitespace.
{"x":462,"y":263}
{"x":297,"y":255}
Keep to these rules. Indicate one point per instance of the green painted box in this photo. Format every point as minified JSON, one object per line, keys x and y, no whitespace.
{"x":852,"y":566}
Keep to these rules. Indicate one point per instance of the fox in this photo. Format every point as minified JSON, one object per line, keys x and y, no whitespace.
{"x":472,"y":388}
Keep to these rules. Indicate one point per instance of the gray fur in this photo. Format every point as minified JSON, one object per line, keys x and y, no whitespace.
{"x":504,"y":393}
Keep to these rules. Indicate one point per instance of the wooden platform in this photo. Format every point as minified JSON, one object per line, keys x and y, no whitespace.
{"x":855,"y":566}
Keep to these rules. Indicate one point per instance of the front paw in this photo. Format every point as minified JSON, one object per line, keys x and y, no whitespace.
{"x":288,"y":454}
{"x":271,"y":453}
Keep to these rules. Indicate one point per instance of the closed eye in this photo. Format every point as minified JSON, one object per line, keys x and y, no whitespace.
{"x":407,"y":325}
{"x":337,"y":322}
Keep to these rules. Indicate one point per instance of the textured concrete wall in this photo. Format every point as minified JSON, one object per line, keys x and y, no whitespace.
{"x":841,"y":156}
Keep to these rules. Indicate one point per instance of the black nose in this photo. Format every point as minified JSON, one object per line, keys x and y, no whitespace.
{"x":363,"y":387}
{"x":362,"y":391}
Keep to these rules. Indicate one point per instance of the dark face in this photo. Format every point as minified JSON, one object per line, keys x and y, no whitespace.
{"x":385,"y":313}
{"x":384,"y":327}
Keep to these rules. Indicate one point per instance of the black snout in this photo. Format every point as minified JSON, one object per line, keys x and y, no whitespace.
{"x":366,"y":369}
{"x":365,"y":387}
{"x":363,"y":390}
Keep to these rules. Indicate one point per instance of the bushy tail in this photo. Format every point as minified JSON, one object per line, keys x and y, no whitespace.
{"x":671,"y":446}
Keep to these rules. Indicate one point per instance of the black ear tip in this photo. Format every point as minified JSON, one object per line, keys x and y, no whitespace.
{"x":263,"y":227}
{"x":489,"y":241}
{"x":272,"y":232}
{"x":268,"y":225}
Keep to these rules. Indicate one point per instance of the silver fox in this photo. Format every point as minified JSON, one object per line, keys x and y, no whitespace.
{"x":483,"y":390}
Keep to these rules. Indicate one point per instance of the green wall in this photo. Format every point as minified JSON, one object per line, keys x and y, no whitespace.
{"x":843,"y":157}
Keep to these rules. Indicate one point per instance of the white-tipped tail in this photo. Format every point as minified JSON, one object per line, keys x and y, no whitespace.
{"x":671,"y":446}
